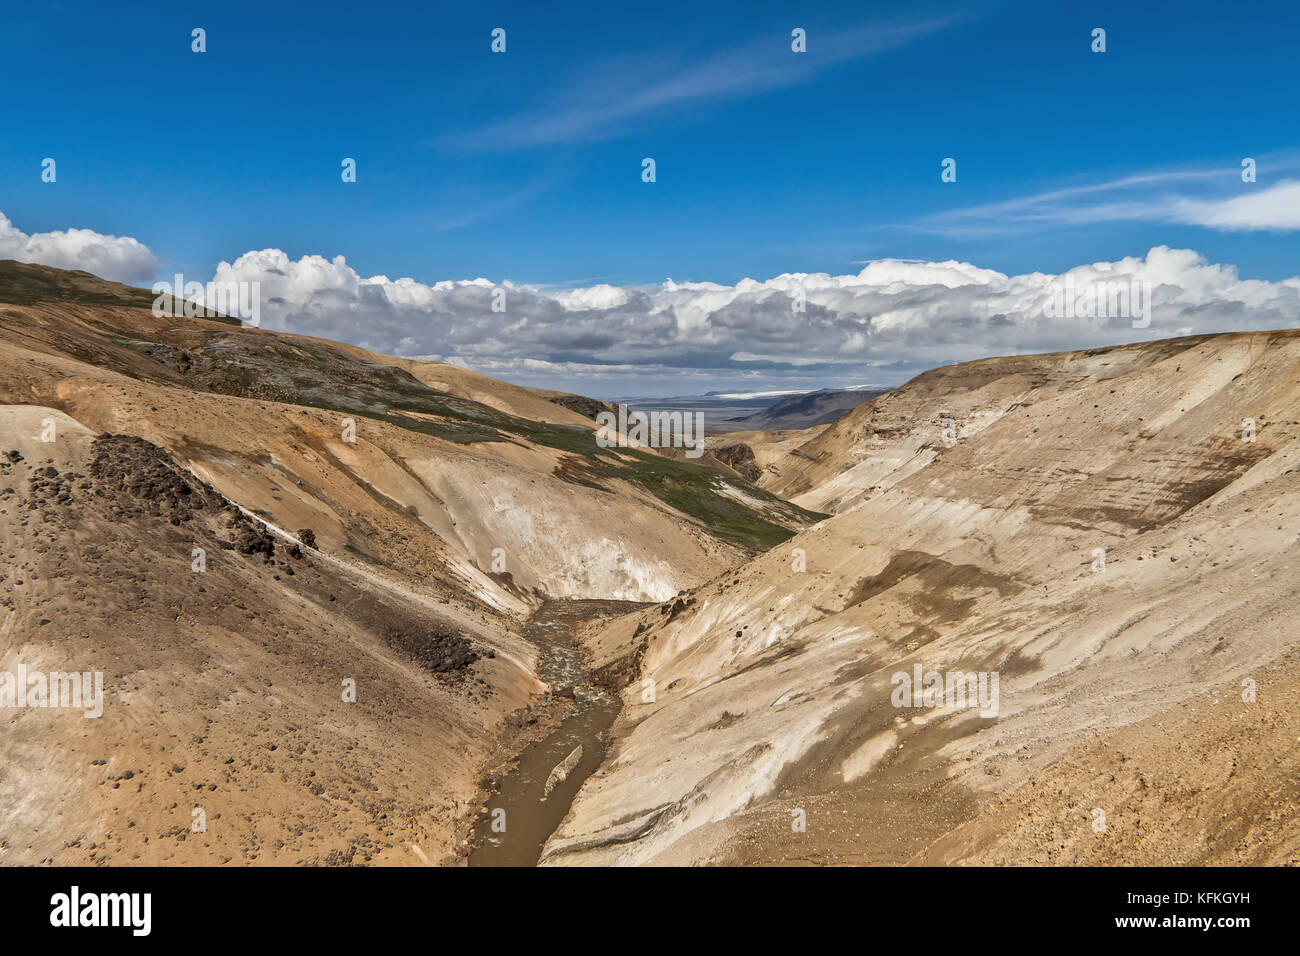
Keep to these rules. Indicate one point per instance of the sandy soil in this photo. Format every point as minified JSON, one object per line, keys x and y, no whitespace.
{"x":967,"y":512}
{"x":772,"y":686}
{"x":224,"y":688}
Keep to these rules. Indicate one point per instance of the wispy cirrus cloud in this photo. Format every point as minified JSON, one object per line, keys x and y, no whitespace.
{"x":1275,"y":208}
{"x":598,"y":104}
{"x":483,"y":208}
{"x":1214,"y":197}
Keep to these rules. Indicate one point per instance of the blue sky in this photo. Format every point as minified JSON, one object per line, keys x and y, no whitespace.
{"x":526,"y":166}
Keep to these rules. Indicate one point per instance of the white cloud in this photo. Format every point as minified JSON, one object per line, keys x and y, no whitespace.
{"x":1274,"y":207}
{"x":122,"y":259}
{"x":886,"y":322}
{"x":1214,"y":198}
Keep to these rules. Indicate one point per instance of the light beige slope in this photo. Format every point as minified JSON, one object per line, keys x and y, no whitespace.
{"x":428,"y":506}
{"x":772,"y":686}
{"x":1211,"y":781}
{"x":225,"y":735}
{"x":770,"y":448}
{"x":223,"y":692}
{"x":512,"y":399}
{"x":896,"y":434}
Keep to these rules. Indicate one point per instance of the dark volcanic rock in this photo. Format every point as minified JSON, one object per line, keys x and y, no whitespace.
{"x":139,"y":478}
{"x":448,"y":655}
{"x":252,"y":538}
{"x":143,"y":479}
{"x":740,"y":459}
{"x":590,"y":407}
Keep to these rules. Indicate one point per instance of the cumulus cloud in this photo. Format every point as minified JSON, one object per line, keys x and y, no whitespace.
{"x":885,"y":323}
{"x":120,"y":258}
{"x":882,"y":324}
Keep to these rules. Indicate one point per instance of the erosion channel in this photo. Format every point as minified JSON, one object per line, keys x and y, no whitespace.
{"x":531,"y":813}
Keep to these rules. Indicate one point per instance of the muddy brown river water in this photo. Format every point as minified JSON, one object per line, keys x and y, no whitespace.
{"x":516,"y":837}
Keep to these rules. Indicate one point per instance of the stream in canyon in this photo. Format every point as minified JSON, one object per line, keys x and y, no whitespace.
{"x":531,"y":814}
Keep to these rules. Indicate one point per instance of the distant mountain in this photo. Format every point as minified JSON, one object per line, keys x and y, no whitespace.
{"x":744,"y":411}
{"x":806,"y":410}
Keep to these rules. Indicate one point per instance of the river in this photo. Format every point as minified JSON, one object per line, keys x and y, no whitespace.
{"x":530,"y":815}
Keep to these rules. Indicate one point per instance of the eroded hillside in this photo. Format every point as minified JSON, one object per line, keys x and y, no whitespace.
{"x":441,"y":509}
{"x":255,"y":690}
{"x":1111,"y":534}
{"x":1108,"y":534}
{"x":360,"y":447}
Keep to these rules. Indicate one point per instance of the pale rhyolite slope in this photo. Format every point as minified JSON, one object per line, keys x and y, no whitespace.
{"x":772,"y":688}
{"x":900,"y":432}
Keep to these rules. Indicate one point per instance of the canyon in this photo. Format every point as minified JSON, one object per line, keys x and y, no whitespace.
{"x":348,"y":604}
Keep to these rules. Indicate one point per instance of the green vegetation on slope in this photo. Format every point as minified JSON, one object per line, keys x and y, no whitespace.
{"x":278,"y":368}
